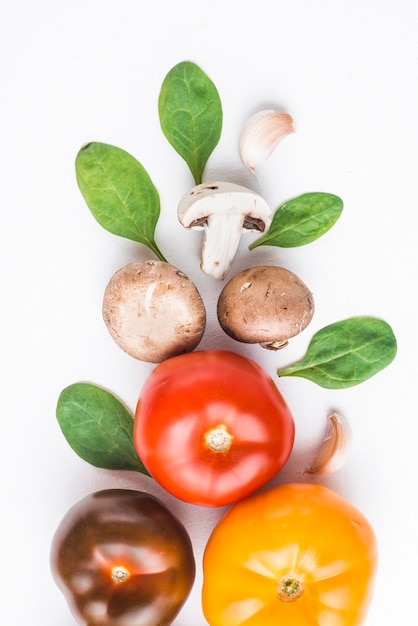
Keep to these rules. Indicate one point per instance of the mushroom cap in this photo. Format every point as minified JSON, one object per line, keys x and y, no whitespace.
{"x":219,"y":197}
{"x":266,"y":305}
{"x":153,"y":311}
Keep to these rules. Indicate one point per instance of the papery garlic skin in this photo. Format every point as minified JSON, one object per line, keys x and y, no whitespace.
{"x":261,"y":134}
{"x":334,"y":450}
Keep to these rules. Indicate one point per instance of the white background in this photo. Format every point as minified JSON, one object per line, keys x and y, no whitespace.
{"x":73,"y":72}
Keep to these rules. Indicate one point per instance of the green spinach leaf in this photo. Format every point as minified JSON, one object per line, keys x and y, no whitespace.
{"x":98,"y":427}
{"x":301,"y":220}
{"x":190,"y":115}
{"x":119,"y":193}
{"x":346,"y":353}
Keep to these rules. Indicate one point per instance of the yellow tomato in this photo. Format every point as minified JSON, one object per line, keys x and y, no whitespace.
{"x":296,"y":555}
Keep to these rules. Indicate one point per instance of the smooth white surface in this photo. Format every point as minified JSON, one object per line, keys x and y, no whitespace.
{"x":72,"y":72}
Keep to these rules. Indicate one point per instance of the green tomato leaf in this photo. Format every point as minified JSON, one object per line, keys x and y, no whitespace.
{"x":346,"y":353}
{"x":301,"y":220}
{"x":98,"y":427}
{"x":190,"y":115}
{"x":119,"y":193}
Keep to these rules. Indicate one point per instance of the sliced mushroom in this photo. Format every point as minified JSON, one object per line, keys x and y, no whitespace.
{"x":266,"y":305}
{"x":153,"y":311}
{"x":223,"y":210}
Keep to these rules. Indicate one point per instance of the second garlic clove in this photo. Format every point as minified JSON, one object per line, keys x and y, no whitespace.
{"x":334,"y":450}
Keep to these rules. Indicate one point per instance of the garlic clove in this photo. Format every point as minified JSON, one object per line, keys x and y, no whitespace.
{"x":334,"y":450}
{"x":261,"y":134}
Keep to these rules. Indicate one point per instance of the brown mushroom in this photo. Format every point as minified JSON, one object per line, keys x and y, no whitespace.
{"x":266,"y":305}
{"x":153,"y":311}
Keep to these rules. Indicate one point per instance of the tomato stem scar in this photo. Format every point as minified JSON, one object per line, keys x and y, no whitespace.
{"x":120,"y":574}
{"x":290,"y":587}
{"x":218,"y":439}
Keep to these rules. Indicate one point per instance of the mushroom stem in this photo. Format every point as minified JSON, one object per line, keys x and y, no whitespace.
{"x":274,"y":345}
{"x":220,"y":243}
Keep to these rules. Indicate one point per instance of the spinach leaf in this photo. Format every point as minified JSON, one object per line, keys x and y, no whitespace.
{"x":301,"y":220}
{"x":119,"y":193}
{"x":190,"y":115}
{"x":98,"y":427}
{"x":346,"y":353}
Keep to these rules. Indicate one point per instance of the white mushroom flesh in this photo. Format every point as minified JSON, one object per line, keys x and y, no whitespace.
{"x":220,"y":243}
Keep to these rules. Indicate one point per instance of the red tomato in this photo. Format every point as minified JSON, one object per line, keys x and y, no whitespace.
{"x":211,"y":427}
